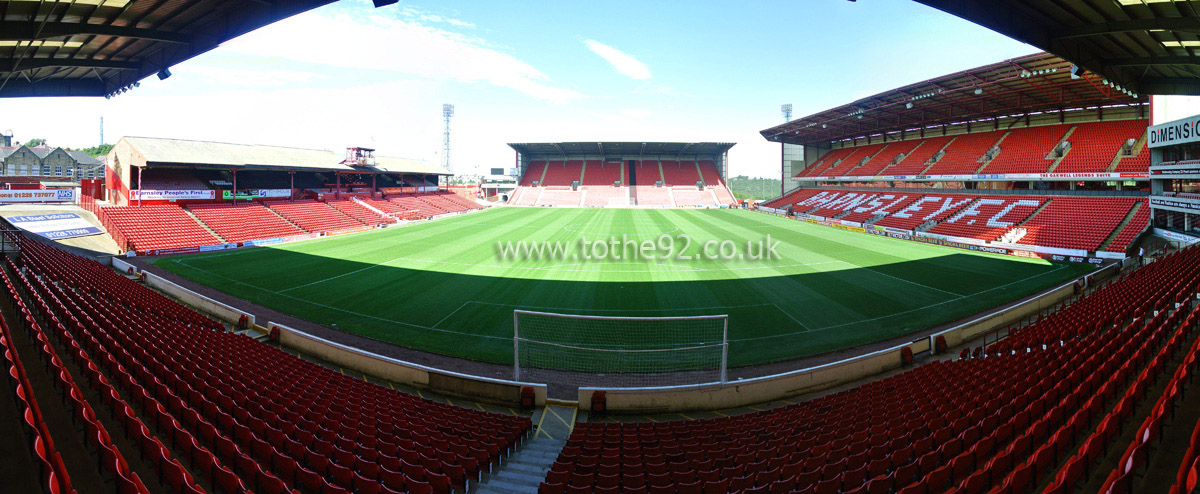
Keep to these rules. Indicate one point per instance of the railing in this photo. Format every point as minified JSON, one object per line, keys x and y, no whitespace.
{"x":1021,"y":192}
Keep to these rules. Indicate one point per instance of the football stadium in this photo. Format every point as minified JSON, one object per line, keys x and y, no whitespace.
{"x":981,"y":282}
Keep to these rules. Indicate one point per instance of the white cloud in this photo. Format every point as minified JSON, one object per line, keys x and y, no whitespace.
{"x":624,"y":63}
{"x":428,"y":17}
{"x":224,"y":76}
{"x":402,"y":46}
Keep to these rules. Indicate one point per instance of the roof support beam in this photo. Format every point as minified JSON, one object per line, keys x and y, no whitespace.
{"x":8,"y":64}
{"x":1165,"y":23}
{"x":34,"y":30}
{"x":1151,"y":60}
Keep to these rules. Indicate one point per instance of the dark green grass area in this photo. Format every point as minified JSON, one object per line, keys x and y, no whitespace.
{"x":443,"y":287}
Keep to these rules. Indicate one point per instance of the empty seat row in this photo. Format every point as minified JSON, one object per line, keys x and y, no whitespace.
{"x":242,"y":222}
{"x":1093,"y":148}
{"x":300,"y":427}
{"x":314,"y":216}
{"x":997,"y":423}
{"x":149,"y":228}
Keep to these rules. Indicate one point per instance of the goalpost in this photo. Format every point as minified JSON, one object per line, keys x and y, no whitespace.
{"x":625,"y":351}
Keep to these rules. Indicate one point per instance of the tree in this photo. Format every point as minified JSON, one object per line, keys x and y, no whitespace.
{"x":100,"y":150}
{"x":35,"y":142}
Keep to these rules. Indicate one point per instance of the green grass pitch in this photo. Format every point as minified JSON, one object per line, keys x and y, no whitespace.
{"x":441,"y":286}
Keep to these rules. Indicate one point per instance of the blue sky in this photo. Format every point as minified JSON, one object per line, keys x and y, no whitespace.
{"x":350,"y":74}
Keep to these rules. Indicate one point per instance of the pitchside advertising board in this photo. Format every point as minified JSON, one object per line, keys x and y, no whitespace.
{"x":171,"y":195}
{"x":55,"y":226}
{"x":52,"y":195}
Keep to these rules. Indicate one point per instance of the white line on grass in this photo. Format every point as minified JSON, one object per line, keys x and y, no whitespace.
{"x":339,"y":309}
{"x":960,"y":297}
{"x":577,"y":309}
{"x":786,"y":313}
{"x":442,"y":320}
{"x":881,"y":273}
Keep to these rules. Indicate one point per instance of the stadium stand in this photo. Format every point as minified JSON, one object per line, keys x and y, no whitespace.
{"x":791,"y":198}
{"x":314,"y":216}
{"x":600,"y":173}
{"x":1095,"y":144}
{"x":600,"y":196}
{"x":450,"y":201}
{"x":691,"y":197}
{"x":884,"y":158}
{"x":881,"y":205}
{"x":1069,"y":222}
{"x":1027,"y":150}
{"x":413,"y":203}
{"x":533,"y":173}
{"x":96,"y":436}
{"x":562,"y":173}
{"x":679,"y":173}
{"x":155,"y":227}
{"x":963,"y":154}
{"x":917,"y":160}
{"x":648,"y":195}
{"x":712,"y":180}
{"x":997,"y":424}
{"x":362,"y":214}
{"x":1076,"y":222}
{"x":648,"y":173}
{"x":927,"y":208}
{"x":989,"y":217}
{"x":828,"y":160}
{"x":200,"y":390}
{"x":391,"y":208}
{"x":560,"y":197}
{"x":1137,"y":224}
{"x":851,"y":161}
{"x":243,"y":222}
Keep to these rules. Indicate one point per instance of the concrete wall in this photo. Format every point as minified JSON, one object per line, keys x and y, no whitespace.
{"x":770,"y":388}
{"x":193,"y":299}
{"x":495,"y":391}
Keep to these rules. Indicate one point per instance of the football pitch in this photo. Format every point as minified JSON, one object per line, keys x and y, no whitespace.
{"x":450,"y":286}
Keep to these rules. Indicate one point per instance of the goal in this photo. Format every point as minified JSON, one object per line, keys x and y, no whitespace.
{"x":619,"y":351}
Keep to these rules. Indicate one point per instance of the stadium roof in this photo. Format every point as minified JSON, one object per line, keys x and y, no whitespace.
{"x":1147,"y":46}
{"x":620,"y":149}
{"x":97,"y":47}
{"x":1030,"y":84}
{"x":175,"y":152}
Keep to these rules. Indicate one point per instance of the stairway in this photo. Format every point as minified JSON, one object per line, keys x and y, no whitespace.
{"x":1058,"y":160}
{"x":1117,"y":231}
{"x":1137,"y":149}
{"x":203,"y":224}
{"x":524,"y":470}
{"x":929,"y":164}
{"x":985,"y":163}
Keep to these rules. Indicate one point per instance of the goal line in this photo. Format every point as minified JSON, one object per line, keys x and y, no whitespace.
{"x":571,"y":348}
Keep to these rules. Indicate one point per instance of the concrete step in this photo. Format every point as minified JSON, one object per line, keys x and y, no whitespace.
{"x":523,"y":471}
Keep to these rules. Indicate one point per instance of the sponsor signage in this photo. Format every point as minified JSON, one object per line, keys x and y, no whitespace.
{"x":257,"y":193}
{"x":1175,"y":171}
{"x":171,"y":195}
{"x":988,"y":248}
{"x":55,"y":226}
{"x":49,"y":195}
{"x":1176,"y":236}
{"x":1180,"y":131}
{"x":1175,"y":203}
{"x":992,"y":177}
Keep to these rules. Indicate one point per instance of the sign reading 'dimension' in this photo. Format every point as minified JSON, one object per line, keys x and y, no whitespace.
{"x":1180,"y":131}
{"x":55,"y":226}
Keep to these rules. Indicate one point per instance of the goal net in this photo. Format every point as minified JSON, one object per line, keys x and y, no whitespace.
{"x":619,"y":351}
